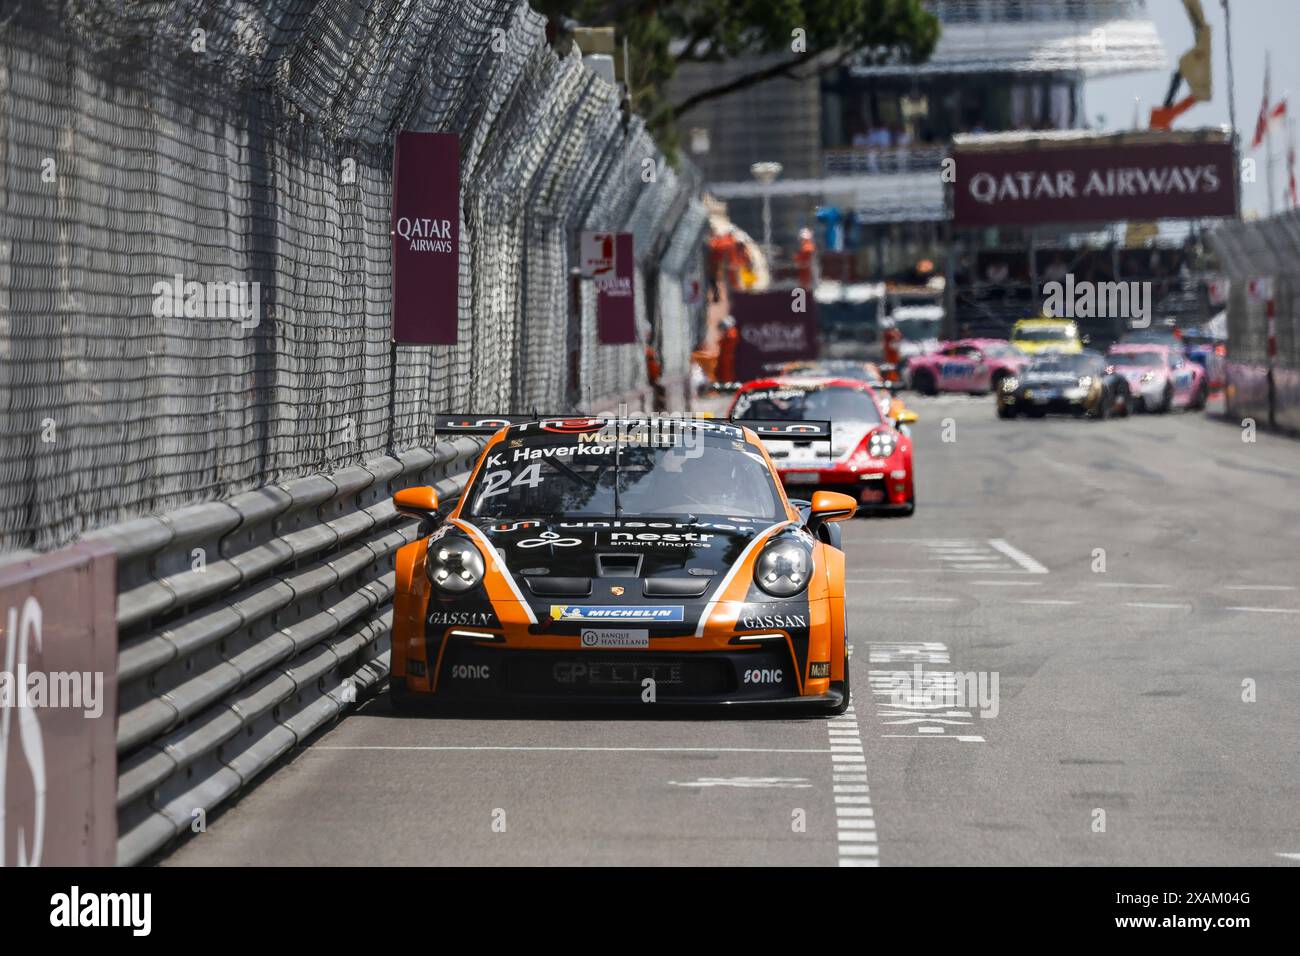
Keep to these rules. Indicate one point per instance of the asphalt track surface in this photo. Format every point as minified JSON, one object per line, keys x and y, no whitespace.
{"x":1119,"y":691}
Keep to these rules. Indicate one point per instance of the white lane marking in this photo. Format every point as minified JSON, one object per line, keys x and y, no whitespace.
{"x":964,"y":738}
{"x":911,"y":599}
{"x":748,"y":782}
{"x":1288,"y":856}
{"x":1129,"y":584}
{"x":1259,"y":587}
{"x":657,"y":750}
{"x":1156,"y":606}
{"x":736,"y":565}
{"x":1047,"y":602}
{"x":1008,"y":584}
{"x":1267,"y":610}
{"x":855,"y":826}
{"x":1018,"y":556}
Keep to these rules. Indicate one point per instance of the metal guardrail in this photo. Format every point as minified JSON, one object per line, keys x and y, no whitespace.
{"x":247,"y":624}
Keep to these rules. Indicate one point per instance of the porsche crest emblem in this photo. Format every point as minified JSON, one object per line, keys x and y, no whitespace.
{"x":616,"y":590}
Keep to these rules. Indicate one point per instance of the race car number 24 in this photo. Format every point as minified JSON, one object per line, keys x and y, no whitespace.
{"x":499,"y":482}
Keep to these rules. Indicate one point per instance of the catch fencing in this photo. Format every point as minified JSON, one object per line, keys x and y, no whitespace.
{"x":249,"y":147}
{"x":1262,"y":260}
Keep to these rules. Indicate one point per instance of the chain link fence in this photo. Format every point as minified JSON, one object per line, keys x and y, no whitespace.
{"x":1262,"y":261}
{"x":248,"y":147}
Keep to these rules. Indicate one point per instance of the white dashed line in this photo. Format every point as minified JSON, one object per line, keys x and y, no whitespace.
{"x":1018,"y":556}
{"x":855,"y":825}
{"x":1158,"y":607}
{"x":1118,"y":584}
{"x":655,"y":750}
{"x":1267,"y":610}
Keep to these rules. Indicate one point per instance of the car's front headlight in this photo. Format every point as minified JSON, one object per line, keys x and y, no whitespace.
{"x":1148,"y":378}
{"x":1010,"y":383}
{"x":1085,"y":381}
{"x":783,"y":569}
{"x":454,"y":565}
{"x":882,"y":444}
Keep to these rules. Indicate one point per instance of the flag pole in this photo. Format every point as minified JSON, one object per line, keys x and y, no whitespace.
{"x":1268,"y":143}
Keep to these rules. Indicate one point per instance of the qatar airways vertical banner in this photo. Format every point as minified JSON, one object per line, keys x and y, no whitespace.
{"x":609,"y":259}
{"x":426,"y":238}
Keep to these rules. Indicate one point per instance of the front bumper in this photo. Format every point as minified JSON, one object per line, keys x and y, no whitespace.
{"x":880,"y":487}
{"x":1057,"y":400}
{"x":761,"y":674}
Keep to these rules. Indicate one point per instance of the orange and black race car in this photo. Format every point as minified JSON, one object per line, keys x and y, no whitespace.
{"x":623,"y":560}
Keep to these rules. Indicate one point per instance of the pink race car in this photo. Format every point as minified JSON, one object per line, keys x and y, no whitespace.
{"x":1160,"y":377}
{"x":966,"y":365}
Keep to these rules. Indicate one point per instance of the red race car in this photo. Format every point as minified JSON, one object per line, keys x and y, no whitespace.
{"x":869,"y":458}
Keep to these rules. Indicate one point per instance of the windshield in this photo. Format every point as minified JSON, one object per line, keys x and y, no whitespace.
{"x":1044,"y":333}
{"x":1132,"y":359}
{"x":835,"y":404}
{"x":574,"y":475}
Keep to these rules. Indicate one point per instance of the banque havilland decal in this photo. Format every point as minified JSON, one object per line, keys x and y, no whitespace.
{"x":622,"y":561}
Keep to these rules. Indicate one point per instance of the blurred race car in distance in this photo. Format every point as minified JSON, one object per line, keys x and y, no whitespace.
{"x":621,"y":561}
{"x":1078,"y":384}
{"x":1046,"y":335}
{"x":975,"y":366}
{"x":869,"y":458}
{"x":1160,"y":377}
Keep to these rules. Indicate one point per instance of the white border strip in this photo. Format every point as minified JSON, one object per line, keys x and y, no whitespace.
{"x":759,"y":538}
{"x":478,"y":536}
{"x":1018,"y":556}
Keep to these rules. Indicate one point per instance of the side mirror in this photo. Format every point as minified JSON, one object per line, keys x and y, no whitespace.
{"x":829,"y":506}
{"x":419,"y":502}
{"x":907,"y":417}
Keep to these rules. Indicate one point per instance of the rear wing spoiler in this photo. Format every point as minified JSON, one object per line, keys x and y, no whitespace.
{"x":485,"y":424}
{"x":764,"y":428}
{"x":787,"y":431}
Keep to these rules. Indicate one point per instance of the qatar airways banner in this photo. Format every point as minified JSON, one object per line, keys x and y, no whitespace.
{"x":426,"y":238}
{"x":608,"y":258}
{"x":1106,"y":183}
{"x":774,"y":328}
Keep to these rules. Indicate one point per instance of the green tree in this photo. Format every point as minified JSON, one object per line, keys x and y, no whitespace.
{"x":814,"y":35}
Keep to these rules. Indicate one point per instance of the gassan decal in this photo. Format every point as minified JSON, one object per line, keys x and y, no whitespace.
{"x":461,"y":618}
{"x":758,"y":622}
{"x":615,"y":612}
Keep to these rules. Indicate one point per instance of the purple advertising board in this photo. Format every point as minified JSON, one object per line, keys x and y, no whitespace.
{"x":616,"y":295}
{"x":774,"y":327}
{"x":1095,"y":183}
{"x":58,"y":709}
{"x":426,"y":238}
